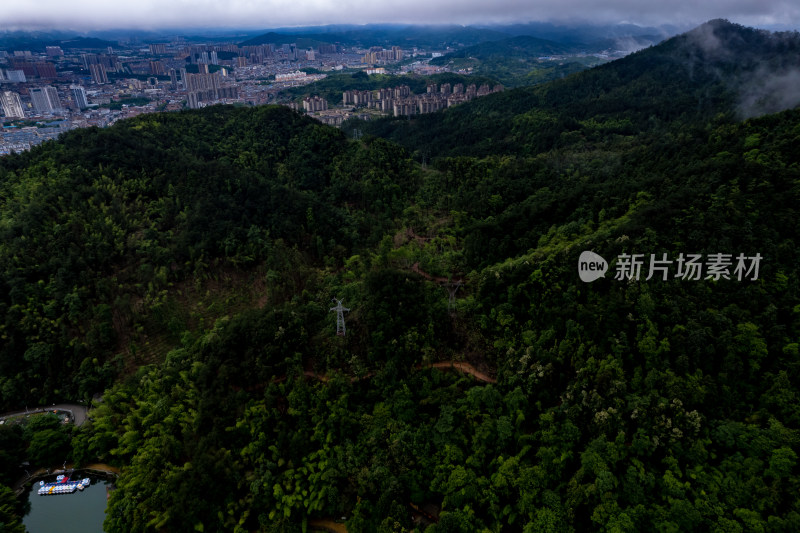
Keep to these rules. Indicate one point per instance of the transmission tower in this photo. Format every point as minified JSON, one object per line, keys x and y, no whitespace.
{"x":340,"y":330}
{"x":452,"y":287}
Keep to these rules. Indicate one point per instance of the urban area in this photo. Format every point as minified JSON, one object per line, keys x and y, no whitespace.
{"x":44,"y":93}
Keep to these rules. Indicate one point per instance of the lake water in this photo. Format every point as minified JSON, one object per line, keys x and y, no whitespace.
{"x":79,"y":512}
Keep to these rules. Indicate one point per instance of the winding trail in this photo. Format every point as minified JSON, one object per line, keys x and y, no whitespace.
{"x":438,"y":279}
{"x":466,"y":368}
{"x":327,"y":525}
{"x":460,"y":366}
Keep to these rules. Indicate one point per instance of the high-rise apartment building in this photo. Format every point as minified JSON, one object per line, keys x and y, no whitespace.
{"x":314,"y":103}
{"x":99,"y":75}
{"x":89,"y":59}
{"x":45,"y":70}
{"x":156,"y":68}
{"x":202,"y":82}
{"x":158,"y":48}
{"x":15,"y":76}
{"x":40,"y":103}
{"x":382,"y":56}
{"x":52,"y":98}
{"x":12,"y":105}
{"x":79,"y":96}
{"x":45,"y":100}
{"x":25,"y":66}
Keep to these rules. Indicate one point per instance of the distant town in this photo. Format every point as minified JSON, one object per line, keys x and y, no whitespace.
{"x":44,"y":93}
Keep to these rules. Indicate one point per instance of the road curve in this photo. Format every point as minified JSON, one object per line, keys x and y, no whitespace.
{"x":77,"y":412}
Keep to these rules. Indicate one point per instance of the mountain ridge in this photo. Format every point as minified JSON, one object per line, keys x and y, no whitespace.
{"x":718,"y":68}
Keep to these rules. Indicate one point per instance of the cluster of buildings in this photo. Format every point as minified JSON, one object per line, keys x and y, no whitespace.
{"x":380,"y":56}
{"x":205,"y":87}
{"x":45,"y":92}
{"x":314,"y":103}
{"x":399,"y":101}
{"x":48,"y":91}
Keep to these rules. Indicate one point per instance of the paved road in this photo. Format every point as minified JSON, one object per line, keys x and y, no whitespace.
{"x":78,"y":412}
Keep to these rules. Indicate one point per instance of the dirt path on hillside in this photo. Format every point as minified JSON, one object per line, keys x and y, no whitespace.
{"x":327,"y":525}
{"x":466,"y":368}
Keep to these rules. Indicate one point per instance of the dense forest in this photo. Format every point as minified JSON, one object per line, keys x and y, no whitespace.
{"x":184,"y":264}
{"x":522,"y":60}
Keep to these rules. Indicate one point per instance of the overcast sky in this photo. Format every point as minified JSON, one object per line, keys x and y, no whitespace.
{"x":86,"y":15}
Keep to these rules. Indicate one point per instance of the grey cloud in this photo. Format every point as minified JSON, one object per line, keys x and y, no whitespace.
{"x":96,"y":14}
{"x":769,"y":92}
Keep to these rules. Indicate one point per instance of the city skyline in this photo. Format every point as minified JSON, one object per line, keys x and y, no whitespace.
{"x":94,"y":15}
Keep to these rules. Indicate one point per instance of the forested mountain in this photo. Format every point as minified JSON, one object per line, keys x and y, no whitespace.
{"x":405,"y":35}
{"x":519,"y":60}
{"x":520,"y":46}
{"x":139,"y":207}
{"x":187,"y":262}
{"x":577,"y":33}
{"x":717,"y":68}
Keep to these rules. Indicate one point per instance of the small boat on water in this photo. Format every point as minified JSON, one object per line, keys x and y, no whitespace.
{"x":62,"y":485}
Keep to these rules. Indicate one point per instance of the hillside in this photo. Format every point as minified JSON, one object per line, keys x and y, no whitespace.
{"x":384,"y":35}
{"x":142,"y":213}
{"x":718,"y":68}
{"x":664,"y":399}
{"x":521,"y":60}
{"x":520,"y":46}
